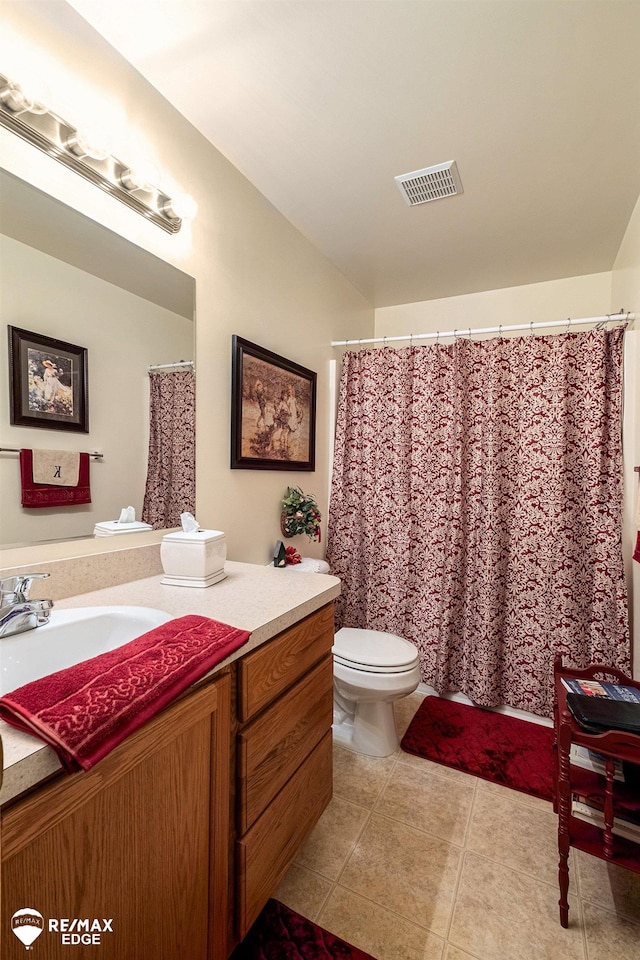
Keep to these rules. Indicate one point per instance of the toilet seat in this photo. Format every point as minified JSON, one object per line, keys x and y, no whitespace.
{"x":373,"y":651}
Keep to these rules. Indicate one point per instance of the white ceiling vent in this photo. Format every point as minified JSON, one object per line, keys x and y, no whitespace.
{"x":432,"y":183}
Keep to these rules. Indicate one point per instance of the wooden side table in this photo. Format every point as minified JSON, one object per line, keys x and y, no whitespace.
{"x":613,"y":796}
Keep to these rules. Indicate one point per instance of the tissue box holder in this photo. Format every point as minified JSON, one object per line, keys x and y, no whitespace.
{"x":193,"y":559}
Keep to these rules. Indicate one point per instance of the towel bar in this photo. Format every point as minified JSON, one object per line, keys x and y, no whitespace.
{"x":96,"y":456}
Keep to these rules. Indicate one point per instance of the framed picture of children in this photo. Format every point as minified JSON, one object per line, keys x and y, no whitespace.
{"x":48,"y":382}
{"x":273,"y":411}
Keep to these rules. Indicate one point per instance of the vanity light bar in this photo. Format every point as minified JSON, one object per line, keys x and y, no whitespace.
{"x":54,"y":136}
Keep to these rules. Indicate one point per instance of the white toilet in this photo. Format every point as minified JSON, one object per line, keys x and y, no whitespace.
{"x":371,"y":669}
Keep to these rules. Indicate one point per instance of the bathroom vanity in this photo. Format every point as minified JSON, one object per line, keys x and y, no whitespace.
{"x":173,"y":843}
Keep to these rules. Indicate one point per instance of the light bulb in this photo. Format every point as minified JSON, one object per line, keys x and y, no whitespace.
{"x":81,"y":146}
{"x":133,"y":180}
{"x":18,"y":100}
{"x":182,"y":206}
{"x":15,"y":99}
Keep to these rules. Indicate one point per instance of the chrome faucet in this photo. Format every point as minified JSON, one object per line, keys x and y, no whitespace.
{"x":17,"y":612}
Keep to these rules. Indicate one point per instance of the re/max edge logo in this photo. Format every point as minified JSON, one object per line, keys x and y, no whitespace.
{"x":28,"y":924}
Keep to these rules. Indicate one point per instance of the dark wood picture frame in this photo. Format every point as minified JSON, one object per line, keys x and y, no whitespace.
{"x":273,"y":410}
{"x":49,"y":382}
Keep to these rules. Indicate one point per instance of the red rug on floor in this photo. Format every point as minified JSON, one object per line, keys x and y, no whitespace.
{"x":515,"y":753}
{"x":281,"y":934}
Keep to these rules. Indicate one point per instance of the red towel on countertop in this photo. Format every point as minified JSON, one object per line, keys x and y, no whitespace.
{"x":49,"y":495}
{"x":85,"y":711}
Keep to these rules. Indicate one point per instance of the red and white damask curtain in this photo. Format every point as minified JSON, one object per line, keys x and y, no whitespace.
{"x":476,"y":508}
{"x":171,"y":486}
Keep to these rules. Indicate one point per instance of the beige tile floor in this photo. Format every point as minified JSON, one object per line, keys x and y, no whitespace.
{"x":414,"y":861}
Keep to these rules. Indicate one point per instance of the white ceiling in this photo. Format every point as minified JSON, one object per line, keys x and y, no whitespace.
{"x":320,"y":103}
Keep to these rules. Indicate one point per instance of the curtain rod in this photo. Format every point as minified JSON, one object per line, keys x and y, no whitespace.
{"x":502,"y":328}
{"x":163,"y":366}
{"x":96,"y":456}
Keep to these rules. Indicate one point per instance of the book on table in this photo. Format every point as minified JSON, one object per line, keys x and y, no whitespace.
{"x":592,"y":760}
{"x":597,"y":714}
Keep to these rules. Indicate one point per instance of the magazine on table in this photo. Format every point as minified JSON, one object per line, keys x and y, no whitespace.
{"x":597,"y":688}
{"x":594,"y":761}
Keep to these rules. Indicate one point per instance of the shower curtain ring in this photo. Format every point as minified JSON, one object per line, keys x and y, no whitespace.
{"x":499,"y":329}
{"x":568,"y":324}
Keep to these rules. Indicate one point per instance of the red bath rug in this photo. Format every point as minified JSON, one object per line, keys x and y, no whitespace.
{"x":496,"y":747}
{"x":280,"y":933}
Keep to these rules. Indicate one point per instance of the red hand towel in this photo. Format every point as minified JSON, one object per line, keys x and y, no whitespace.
{"x":87,"y":710}
{"x":49,"y":495}
{"x":636,"y":552}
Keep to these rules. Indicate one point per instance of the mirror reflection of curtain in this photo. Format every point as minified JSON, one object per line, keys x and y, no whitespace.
{"x":476,"y":508}
{"x":170,"y":486}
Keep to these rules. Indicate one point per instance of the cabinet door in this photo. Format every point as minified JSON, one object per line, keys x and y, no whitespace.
{"x":125,"y":847}
{"x":264,"y":853}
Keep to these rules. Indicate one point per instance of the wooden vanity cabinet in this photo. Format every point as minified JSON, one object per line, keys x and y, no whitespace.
{"x":284,"y":755}
{"x":141,"y":840}
{"x":182,"y":833}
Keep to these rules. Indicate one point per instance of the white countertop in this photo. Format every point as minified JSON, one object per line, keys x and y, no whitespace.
{"x":263,"y":600}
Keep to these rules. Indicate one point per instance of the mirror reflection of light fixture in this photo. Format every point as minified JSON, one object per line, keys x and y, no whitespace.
{"x":35,"y":123}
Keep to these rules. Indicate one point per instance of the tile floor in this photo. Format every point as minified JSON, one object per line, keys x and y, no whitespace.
{"x":414,"y":861}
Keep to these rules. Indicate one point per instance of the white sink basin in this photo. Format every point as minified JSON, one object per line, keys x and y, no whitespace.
{"x":70,"y":637}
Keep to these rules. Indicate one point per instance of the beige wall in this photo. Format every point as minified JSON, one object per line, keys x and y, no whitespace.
{"x":626,"y":295}
{"x":123,"y":334}
{"x":586,"y":296}
{"x":625,"y":284}
{"x":256,"y":276}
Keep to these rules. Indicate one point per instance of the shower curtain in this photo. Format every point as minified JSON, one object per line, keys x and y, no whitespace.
{"x":476,"y":508}
{"x":170,"y":486}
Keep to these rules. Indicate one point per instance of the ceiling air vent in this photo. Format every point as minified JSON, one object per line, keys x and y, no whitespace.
{"x":432,"y":183}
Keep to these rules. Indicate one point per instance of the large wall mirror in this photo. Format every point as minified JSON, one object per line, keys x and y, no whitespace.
{"x":64,"y":276}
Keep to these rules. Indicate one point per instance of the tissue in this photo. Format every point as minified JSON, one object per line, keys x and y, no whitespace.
{"x":126,"y":523}
{"x":189,"y":523}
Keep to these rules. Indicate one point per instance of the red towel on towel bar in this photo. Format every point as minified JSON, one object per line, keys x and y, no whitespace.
{"x":49,"y":495}
{"x":85,"y":711}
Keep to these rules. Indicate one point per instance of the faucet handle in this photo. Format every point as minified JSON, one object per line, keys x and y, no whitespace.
{"x":16,"y":589}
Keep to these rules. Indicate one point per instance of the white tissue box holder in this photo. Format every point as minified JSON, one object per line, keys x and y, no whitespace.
{"x":193,"y":559}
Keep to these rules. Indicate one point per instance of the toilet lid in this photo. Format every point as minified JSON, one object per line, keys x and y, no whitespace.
{"x":373,"y":650}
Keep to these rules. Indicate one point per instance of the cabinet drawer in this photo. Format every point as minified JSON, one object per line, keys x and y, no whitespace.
{"x":272,"y":747}
{"x":268,"y":671}
{"x":265,"y":852}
